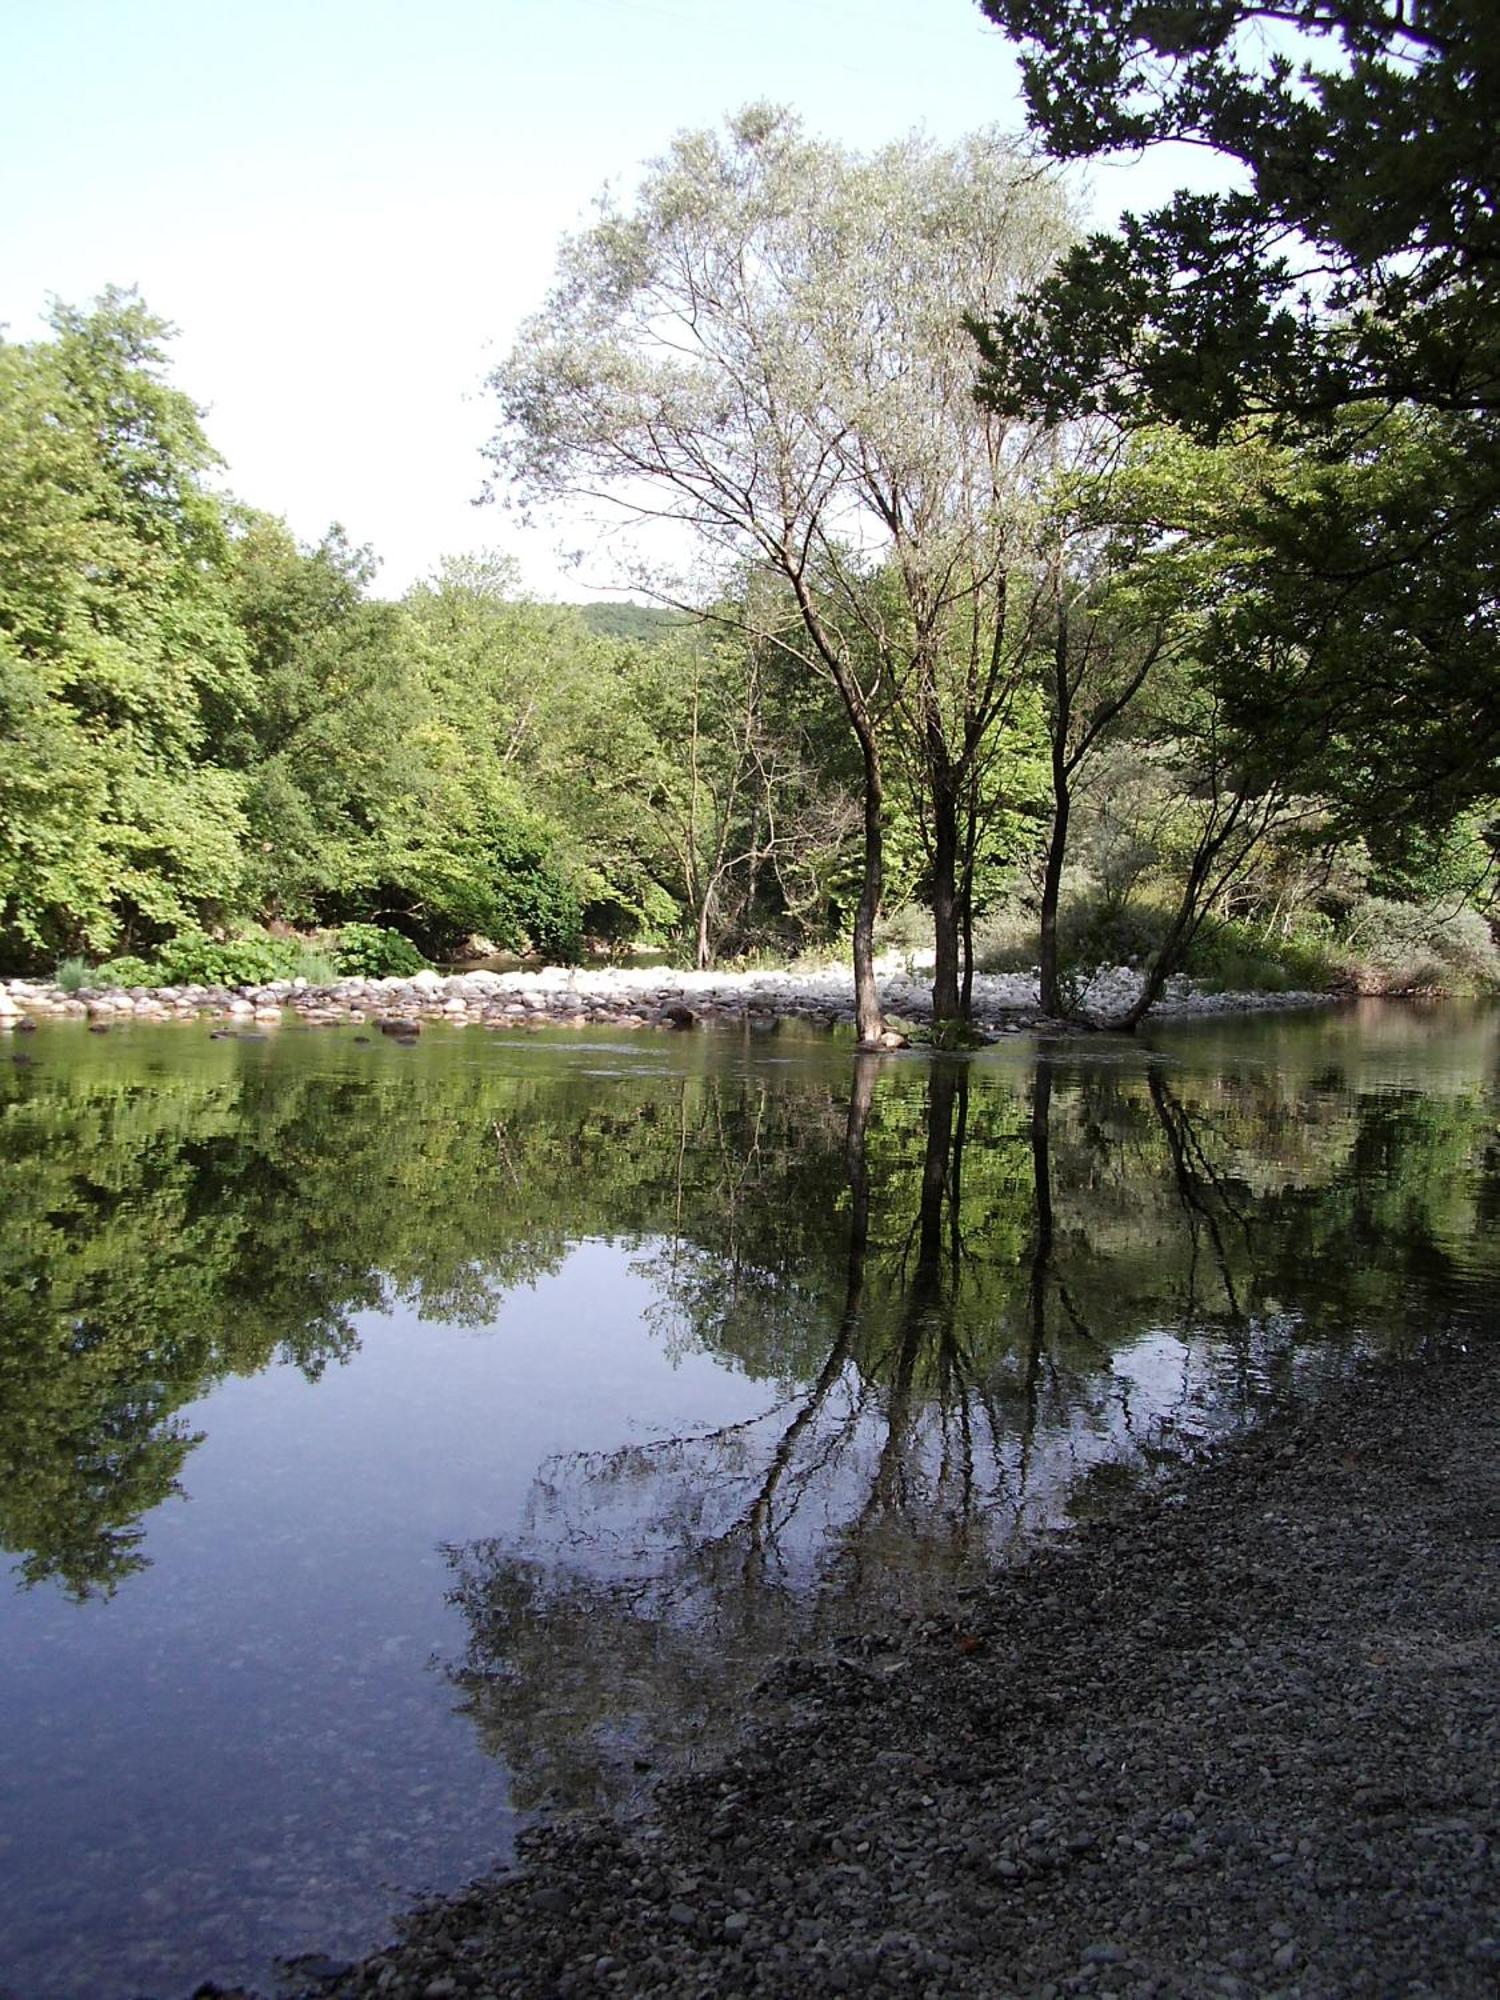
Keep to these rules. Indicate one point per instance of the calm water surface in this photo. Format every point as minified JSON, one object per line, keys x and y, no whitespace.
{"x":395,"y":1442}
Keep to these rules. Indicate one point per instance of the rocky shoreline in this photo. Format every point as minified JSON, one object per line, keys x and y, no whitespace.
{"x":1242,"y":1739}
{"x":614,"y":997}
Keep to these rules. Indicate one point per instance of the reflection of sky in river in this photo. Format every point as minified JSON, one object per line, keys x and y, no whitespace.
{"x":492,"y":1539}
{"x":246,"y":1751}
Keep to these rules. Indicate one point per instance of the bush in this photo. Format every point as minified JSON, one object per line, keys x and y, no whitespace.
{"x":194,"y":959}
{"x":1236,"y":957}
{"x":1394,"y":947}
{"x":1007,"y":940}
{"x":905,"y":930}
{"x":1092,"y":933}
{"x":314,"y":965}
{"x":71,"y":974}
{"x":127,"y":971}
{"x":366,"y":951}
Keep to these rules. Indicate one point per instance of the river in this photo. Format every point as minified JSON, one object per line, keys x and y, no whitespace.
{"x":398,"y":1442}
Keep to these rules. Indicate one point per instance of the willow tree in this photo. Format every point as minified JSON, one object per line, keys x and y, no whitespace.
{"x":767,"y":347}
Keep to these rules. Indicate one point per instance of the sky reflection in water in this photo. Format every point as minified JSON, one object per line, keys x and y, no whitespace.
{"x":364,"y":1411}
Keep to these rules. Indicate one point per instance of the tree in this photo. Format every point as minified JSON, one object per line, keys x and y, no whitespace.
{"x":1110,"y":629}
{"x":120,"y":663}
{"x":767,"y":348}
{"x":520,"y":694}
{"x":733,"y":774}
{"x":1155,"y":625}
{"x":1343,"y":298}
{"x":1360,"y":262}
{"x":327,"y":749}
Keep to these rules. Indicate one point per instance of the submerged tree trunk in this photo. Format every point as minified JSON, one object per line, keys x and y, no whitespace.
{"x":857,"y":1167}
{"x":1041,"y":1254}
{"x":927,"y":1309}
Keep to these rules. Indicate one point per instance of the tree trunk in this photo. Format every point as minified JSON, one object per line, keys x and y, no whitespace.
{"x":945,"y":995}
{"x":1049,"y":980}
{"x":966,"y":934}
{"x":867,"y":1014}
{"x":1049,"y":973}
{"x":1183,"y":927}
{"x":966,"y":899}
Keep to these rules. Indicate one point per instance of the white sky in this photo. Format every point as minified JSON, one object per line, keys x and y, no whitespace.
{"x":347,"y":206}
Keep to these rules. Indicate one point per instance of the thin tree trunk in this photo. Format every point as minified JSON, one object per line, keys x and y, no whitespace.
{"x":868,"y":1020}
{"x":867,"y":1014}
{"x":966,"y":932}
{"x":1049,"y":971}
{"x":1184,"y":924}
{"x":1049,"y":978}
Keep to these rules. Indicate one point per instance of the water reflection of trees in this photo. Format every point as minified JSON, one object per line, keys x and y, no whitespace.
{"x":1037,"y":1292}
{"x":944,"y":1274}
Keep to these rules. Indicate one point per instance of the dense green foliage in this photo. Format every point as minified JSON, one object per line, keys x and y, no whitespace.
{"x":120,"y":661}
{"x":1330,"y":325}
{"x":366,"y":951}
{"x":642,"y":622}
{"x":1355,"y":261}
{"x":1214,"y":693}
{"x":209,"y":729}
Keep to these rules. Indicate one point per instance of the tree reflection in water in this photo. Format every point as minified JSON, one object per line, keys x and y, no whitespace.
{"x":971,"y":1292}
{"x":1026,"y":1320}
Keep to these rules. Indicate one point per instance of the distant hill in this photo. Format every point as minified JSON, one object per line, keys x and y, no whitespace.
{"x":648,"y":623}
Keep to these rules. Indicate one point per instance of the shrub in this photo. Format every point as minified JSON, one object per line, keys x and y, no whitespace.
{"x":192,"y":958}
{"x":366,"y":951}
{"x":1007,"y":940}
{"x":1236,"y":957}
{"x":1093,"y":932}
{"x":1398,"y":947}
{"x":127,"y":971}
{"x":71,"y":974}
{"x":906,"y":930}
{"x":314,"y":965}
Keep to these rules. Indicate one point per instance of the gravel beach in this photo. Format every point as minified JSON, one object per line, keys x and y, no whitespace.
{"x":601,"y":996}
{"x":1240,"y":1739}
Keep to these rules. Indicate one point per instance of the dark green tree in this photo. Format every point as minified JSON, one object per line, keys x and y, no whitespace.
{"x":1342,"y":296}
{"x":1360,"y":263}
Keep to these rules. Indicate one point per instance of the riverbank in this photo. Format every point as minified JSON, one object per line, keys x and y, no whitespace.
{"x":614,"y":997}
{"x":1242,"y":1739}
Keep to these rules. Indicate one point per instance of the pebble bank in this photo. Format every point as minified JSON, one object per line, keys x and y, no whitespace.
{"x":1241,"y":1740}
{"x":615,"y":997}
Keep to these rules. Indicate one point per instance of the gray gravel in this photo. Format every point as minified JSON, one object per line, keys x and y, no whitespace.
{"x":606,"y":996}
{"x":1240,"y":1740}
